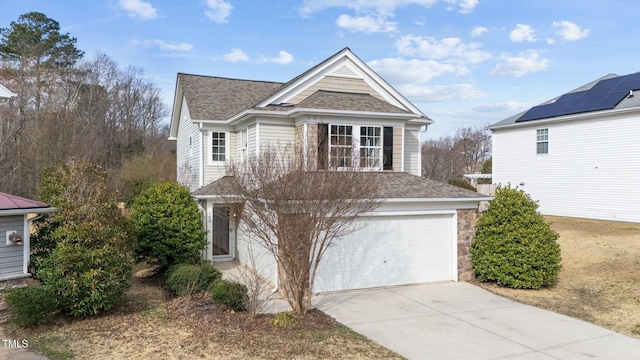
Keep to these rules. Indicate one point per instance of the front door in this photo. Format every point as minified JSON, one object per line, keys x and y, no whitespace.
{"x":221,"y":246}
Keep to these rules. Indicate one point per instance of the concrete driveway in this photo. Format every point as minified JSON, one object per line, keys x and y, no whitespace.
{"x":463,"y":321}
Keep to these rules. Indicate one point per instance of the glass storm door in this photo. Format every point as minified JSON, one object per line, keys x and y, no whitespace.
{"x":220,"y":231}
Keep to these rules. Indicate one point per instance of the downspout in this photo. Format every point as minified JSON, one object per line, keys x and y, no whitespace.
{"x":201,"y":158}
{"x":304,"y":144}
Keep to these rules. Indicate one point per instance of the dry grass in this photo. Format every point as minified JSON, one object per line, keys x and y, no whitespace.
{"x":600,"y":277}
{"x":150,"y":324}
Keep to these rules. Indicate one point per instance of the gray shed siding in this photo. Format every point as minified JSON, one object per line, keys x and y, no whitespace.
{"x":11,"y":256}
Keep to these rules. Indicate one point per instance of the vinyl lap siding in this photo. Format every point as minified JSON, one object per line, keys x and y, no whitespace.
{"x":187,"y":159}
{"x":212,"y":172}
{"x":411,"y":156}
{"x":11,"y":256}
{"x":591,"y":170}
{"x":273,"y":135}
{"x":335,"y":83}
{"x":251,"y":253}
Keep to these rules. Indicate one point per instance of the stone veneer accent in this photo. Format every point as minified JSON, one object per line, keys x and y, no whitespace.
{"x":466,"y":235}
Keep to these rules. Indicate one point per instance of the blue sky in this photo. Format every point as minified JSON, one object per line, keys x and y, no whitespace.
{"x":462,"y":62}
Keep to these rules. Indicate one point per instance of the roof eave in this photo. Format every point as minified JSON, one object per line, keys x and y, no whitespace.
{"x":9,"y":212}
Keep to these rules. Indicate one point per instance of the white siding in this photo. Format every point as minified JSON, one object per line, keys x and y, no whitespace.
{"x":264,"y":261}
{"x":187,"y":156}
{"x":11,"y":256}
{"x":273,"y":135}
{"x":411,"y":152}
{"x":591,"y":170}
{"x":213,"y":172}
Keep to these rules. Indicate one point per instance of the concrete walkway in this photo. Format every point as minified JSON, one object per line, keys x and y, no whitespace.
{"x":463,"y":321}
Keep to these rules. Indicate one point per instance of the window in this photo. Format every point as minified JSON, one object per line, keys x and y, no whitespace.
{"x":218,"y":146}
{"x":370,"y":146}
{"x":542,"y":141}
{"x":244,"y":144}
{"x":387,"y":148}
{"x":352,"y":146}
{"x":340,"y":145}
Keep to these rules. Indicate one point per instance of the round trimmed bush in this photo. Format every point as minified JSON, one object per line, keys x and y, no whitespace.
{"x":189,"y":279}
{"x":231,"y":294}
{"x":167,"y":225}
{"x":514,"y":246}
{"x":30,"y":305}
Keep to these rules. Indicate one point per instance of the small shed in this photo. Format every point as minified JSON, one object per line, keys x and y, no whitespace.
{"x":15,"y":215}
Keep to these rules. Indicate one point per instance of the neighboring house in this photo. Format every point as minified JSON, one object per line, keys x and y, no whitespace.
{"x":6,"y":93}
{"x":419,"y":233}
{"x":576,"y":154}
{"x":15,"y":235}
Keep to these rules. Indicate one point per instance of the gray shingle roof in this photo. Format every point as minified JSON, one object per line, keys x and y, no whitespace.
{"x":216,"y":98}
{"x":393,"y":185}
{"x":335,"y":100}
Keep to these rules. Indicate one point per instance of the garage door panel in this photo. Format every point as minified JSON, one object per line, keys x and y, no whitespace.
{"x":387,"y":251}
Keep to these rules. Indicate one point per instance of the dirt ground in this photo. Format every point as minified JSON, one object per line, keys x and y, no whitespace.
{"x":600,"y":277}
{"x":151,"y":324}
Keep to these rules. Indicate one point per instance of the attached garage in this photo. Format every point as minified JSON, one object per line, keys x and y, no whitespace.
{"x":420,"y":233}
{"x":392,"y":250}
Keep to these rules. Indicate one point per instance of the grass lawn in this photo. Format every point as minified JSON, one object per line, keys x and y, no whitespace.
{"x":150,"y":324}
{"x":600,"y":277}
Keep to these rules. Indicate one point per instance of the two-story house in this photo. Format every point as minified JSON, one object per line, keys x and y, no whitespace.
{"x":342,"y":108}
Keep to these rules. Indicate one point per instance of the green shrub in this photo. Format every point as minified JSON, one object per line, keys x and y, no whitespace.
{"x":188,"y":279}
{"x":462,"y":184}
{"x":167,"y":225}
{"x":284,"y":319}
{"x":86,"y":281}
{"x":231,"y":294}
{"x":30,"y":305}
{"x":82,"y":252}
{"x":514,"y":246}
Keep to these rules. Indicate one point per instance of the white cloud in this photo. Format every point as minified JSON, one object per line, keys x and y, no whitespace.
{"x":138,"y":9}
{"x":366,"y":24}
{"x":570,"y":31}
{"x":508,"y":107}
{"x":236,"y":55}
{"x":448,"y":49}
{"x":403,"y":71}
{"x":163,"y":45}
{"x":478,"y":31}
{"x":219,"y":11}
{"x":516,"y":66}
{"x":467,"y":6}
{"x":438,"y":93}
{"x":283,"y":58}
{"x":522,"y":33}
{"x":380,"y":7}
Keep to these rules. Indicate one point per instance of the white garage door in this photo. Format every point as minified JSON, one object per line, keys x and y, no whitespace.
{"x":391,"y":250}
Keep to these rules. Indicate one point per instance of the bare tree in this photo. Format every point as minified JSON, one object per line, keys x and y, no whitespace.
{"x":450,"y":157}
{"x":295,"y":213}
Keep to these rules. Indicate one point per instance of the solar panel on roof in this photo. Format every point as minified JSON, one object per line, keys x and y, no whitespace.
{"x":604,"y":95}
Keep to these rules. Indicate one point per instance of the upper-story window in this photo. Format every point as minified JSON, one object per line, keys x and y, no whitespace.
{"x":340,"y":146}
{"x":244,"y":144}
{"x":355,"y":146}
{"x":542,"y":141}
{"x":370,"y":147}
{"x":218,"y":146}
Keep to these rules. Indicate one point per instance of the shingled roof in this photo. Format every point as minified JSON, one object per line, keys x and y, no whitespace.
{"x":335,"y":100}
{"x":217,"y":98}
{"x":394,"y":185}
